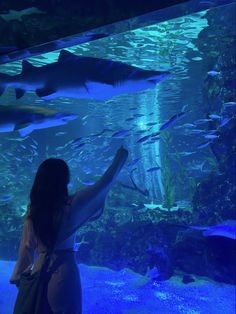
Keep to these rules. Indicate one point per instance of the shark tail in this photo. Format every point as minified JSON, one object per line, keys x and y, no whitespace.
{"x":3,"y":82}
{"x":25,"y":131}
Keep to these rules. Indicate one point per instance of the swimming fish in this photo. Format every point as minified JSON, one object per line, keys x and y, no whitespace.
{"x":214,"y":116}
{"x":120,"y":134}
{"x":196,"y":166}
{"x":202,"y":145}
{"x":172,"y":120}
{"x":5,"y":198}
{"x":185,"y":126}
{"x":224,"y":122}
{"x":201,"y":121}
{"x":153,"y":169}
{"x":229,"y":104}
{"x":26,"y":119}
{"x":151,"y":206}
{"x":186,"y":153}
{"x":213,"y":73}
{"x":211,"y":131}
{"x":188,"y":125}
{"x":60,"y":133}
{"x":17,"y":15}
{"x":80,"y":145}
{"x":104,"y":131}
{"x":81,"y":77}
{"x":143,"y":139}
{"x":134,"y":162}
{"x":77,"y":140}
{"x":211,"y":136}
{"x":139,"y":115}
{"x":155,"y":134}
{"x":87,"y":182}
{"x":151,"y":123}
{"x":197,"y":131}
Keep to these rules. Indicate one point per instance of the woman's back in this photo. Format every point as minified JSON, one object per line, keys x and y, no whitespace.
{"x":69,"y":242}
{"x":64,"y":288}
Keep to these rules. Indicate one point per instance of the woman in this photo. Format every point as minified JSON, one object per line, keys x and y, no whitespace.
{"x":53,"y":218}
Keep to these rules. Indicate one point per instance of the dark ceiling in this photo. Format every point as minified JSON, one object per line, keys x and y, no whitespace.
{"x":33,"y":27}
{"x":50,"y":20}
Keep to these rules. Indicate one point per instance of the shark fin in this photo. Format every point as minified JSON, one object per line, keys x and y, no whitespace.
{"x":45,"y":91}
{"x":2,"y":90}
{"x":26,"y":66}
{"x":65,"y":55}
{"x":19,"y":92}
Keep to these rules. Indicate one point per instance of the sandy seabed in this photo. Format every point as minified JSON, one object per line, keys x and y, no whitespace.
{"x":124,"y":292}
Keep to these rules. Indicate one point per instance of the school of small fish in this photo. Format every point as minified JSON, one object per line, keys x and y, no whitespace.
{"x":81,"y":149}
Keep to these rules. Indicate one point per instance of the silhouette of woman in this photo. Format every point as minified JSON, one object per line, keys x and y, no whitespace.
{"x":53,"y":218}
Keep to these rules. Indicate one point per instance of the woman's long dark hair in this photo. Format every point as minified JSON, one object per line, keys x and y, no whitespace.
{"x":48,"y":197}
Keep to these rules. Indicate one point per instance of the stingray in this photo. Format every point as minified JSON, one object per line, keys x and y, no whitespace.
{"x":225,"y":229}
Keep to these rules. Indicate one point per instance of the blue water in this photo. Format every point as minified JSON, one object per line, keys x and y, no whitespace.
{"x":191,"y":185}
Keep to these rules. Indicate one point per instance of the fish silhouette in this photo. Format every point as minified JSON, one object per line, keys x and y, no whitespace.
{"x":80,"y":77}
{"x":226,"y":229}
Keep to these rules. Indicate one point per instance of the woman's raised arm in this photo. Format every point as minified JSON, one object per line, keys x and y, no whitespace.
{"x":87,"y":202}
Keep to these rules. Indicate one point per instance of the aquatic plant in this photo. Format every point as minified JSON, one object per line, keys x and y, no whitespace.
{"x":213,"y":163}
{"x":167,"y":175}
{"x":192,"y":186}
{"x":167,"y":138}
{"x":168,"y":185}
{"x":183,"y":178}
{"x":181,"y":175}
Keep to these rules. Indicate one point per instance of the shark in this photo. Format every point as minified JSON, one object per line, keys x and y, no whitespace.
{"x":26,"y":119}
{"x":81,"y":77}
{"x":151,"y":206}
{"x":17,"y":15}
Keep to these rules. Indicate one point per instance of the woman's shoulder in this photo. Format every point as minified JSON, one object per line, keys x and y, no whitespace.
{"x":67,"y":208}
{"x":28,"y":212}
